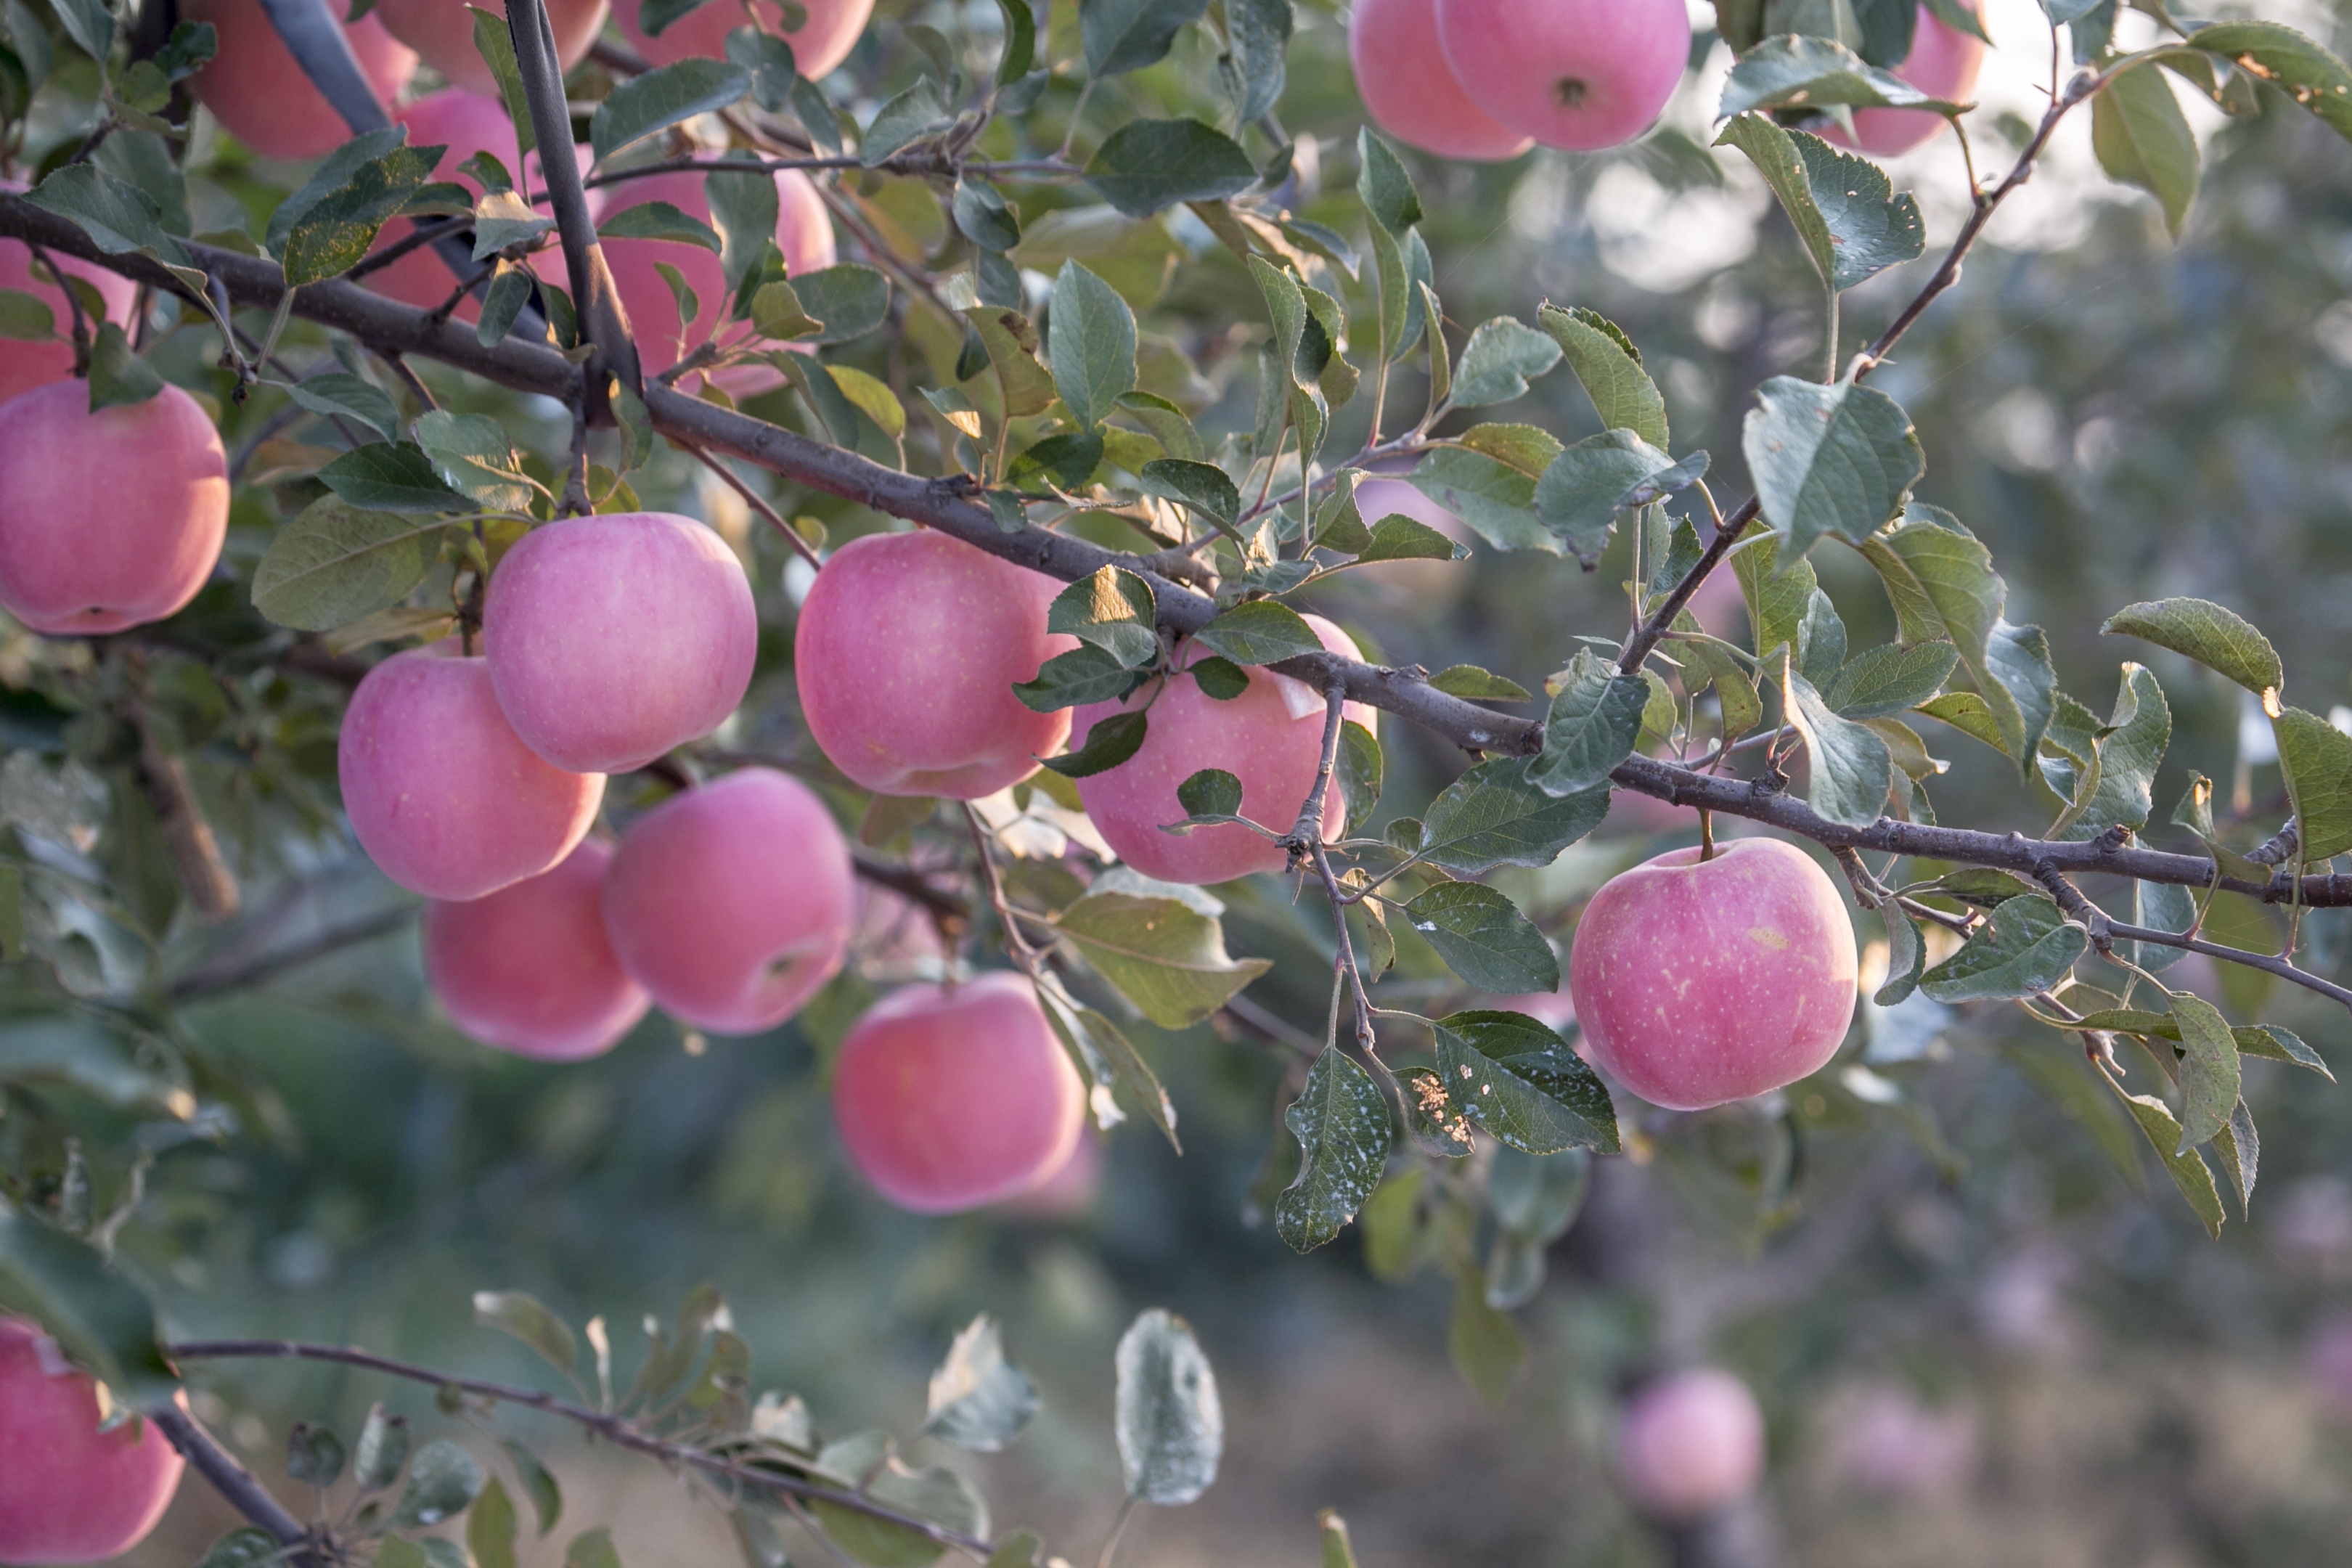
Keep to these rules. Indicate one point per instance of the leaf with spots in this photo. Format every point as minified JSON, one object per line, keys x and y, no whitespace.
{"x":1341,"y":1122}
{"x":1517,"y":1079}
{"x":2026,"y":946}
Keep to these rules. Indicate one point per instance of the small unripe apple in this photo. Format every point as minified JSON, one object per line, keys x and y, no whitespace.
{"x":612,"y":639}
{"x":732,"y":903}
{"x":1576,"y":74}
{"x":24,"y":366}
{"x":1691,"y":1444}
{"x":819,"y":44}
{"x":443,"y":32}
{"x":953,"y":1097}
{"x":1943,"y":63}
{"x":803,"y":233}
{"x":907,"y":652}
{"x":1270,"y":738}
{"x":255,"y":89}
{"x":465,"y":123}
{"x":1699,"y":982}
{"x":444,"y":795}
{"x":1410,"y":92}
{"x":107,"y":519}
{"x":530,"y":968}
{"x":70,"y":1492}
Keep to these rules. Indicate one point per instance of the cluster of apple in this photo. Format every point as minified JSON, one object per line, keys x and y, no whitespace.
{"x":1487,"y":79}
{"x":70,"y":1492}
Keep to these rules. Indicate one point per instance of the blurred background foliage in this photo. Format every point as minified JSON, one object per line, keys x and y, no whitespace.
{"x":1983,"y":1327}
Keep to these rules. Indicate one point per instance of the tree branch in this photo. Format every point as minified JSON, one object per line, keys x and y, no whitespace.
{"x":614,"y":1429}
{"x":234,"y":1483}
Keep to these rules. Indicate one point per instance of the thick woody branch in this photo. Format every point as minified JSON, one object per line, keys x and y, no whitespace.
{"x":235,"y":1484}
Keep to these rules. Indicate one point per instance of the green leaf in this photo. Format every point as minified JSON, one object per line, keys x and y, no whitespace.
{"x":1163,"y":955}
{"x":89,"y":24}
{"x":102,"y":1321}
{"x":1106,"y":1056}
{"x":335,"y":563}
{"x":1383,"y":185}
{"x":2186,"y":1167}
{"x":2209,"y":1068}
{"x":1812,"y":72}
{"x":591,"y":1549}
{"x":774,"y":72}
{"x":1258,"y":37}
{"x":1883,"y":681}
{"x":2283,"y":57}
{"x":1108,"y":742}
{"x":337,"y":394}
{"x":1259,"y":631}
{"x":1852,"y":224}
{"x":117,"y":376}
{"x":1595,"y":719}
{"x":667,"y":95}
{"x":1401,"y":538}
{"x":1495,"y":495}
{"x":659,"y":220}
{"x":1337,"y":1551}
{"x":521,"y":1314}
{"x":2143,"y":139}
{"x":1590,"y":483}
{"x":1072,"y":679}
{"x":978,"y":1399}
{"x":471,"y":452}
{"x":850,"y":299}
{"x":1483,"y":1342}
{"x":2219,"y":639}
{"x":1493,"y":816}
{"x":2017,"y":664}
{"x":390,"y":476}
{"x":243,"y":1548}
{"x":1020,"y":54}
{"x":26,"y":318}
{"x":330,"y":229}
{"x":2130,"y":748}
{"x":382,"y":1450}
{"x":1113,"y":610}
{"x":906,"y":118}
{"x":490,"y":1527}
{"x":1849,"y":763}
{"x":1472,"y":684}
{"x":1170,"y":1423}
{"x":2026,"y":947}
{"x":1011,"y":343}
{"x":1020,"y":1549}
{"x":1220,"y":680}
{"x":1358,"y":770}
{"x":1829,"y":459}
{"x":1122,"y":35}
{"x":982,"y":214}
{"x":1777,"y":599}
{"x":495,"y":44}
{"x":1066,"y":461}
{"x":502,"y":218}
{"x":2316,"y":758}
{"x":119,"y":218}
{"x":1906,"y":956}
{"x":1092,"y":344}
{"x":1342,"y":1126}
{"x":1148,"y":164}
{"x":1501,"y":358}
{"x":1483,"y":938}
{"x":1605,"y":359}
{"x":442,"y":1480}
{"x":502,"y":303}
{"x":2239,"y":1148}
{"x":1212,"y":793}
{"x":1518,"y":1080}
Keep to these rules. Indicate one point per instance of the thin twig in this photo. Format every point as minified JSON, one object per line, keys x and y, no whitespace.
{"x":202,"y":982}
{"x":1305,"y":833}
{"x":806,"y":551}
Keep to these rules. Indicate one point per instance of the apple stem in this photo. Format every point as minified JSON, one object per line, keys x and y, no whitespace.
{"x":1706,"y":835}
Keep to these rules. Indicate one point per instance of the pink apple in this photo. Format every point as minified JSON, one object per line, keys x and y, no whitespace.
{"x":1943,"y":63}
{"x":803,"y":233}
{"x":1578,"y":74}
{"x":1699,"y":982}
{"x":70,"y":1492}
{"x":254,"y":88}
{"x":909,"y":646}
{"x":1691,"y":1444}
{"x":107,"y":519}
{"x":1270,"y":738}
{"x":443,"y":32}
{"x":819,"y":44}
{"x":24,"y":366}
{"x":530,"y":968}
{"x":612,"y":639}
{"x":732,"y":903}
{"x":465,"y":123}
{"x":444,"y":795}
{"x":953,"y":1097}
{"x":1410,"y":92}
